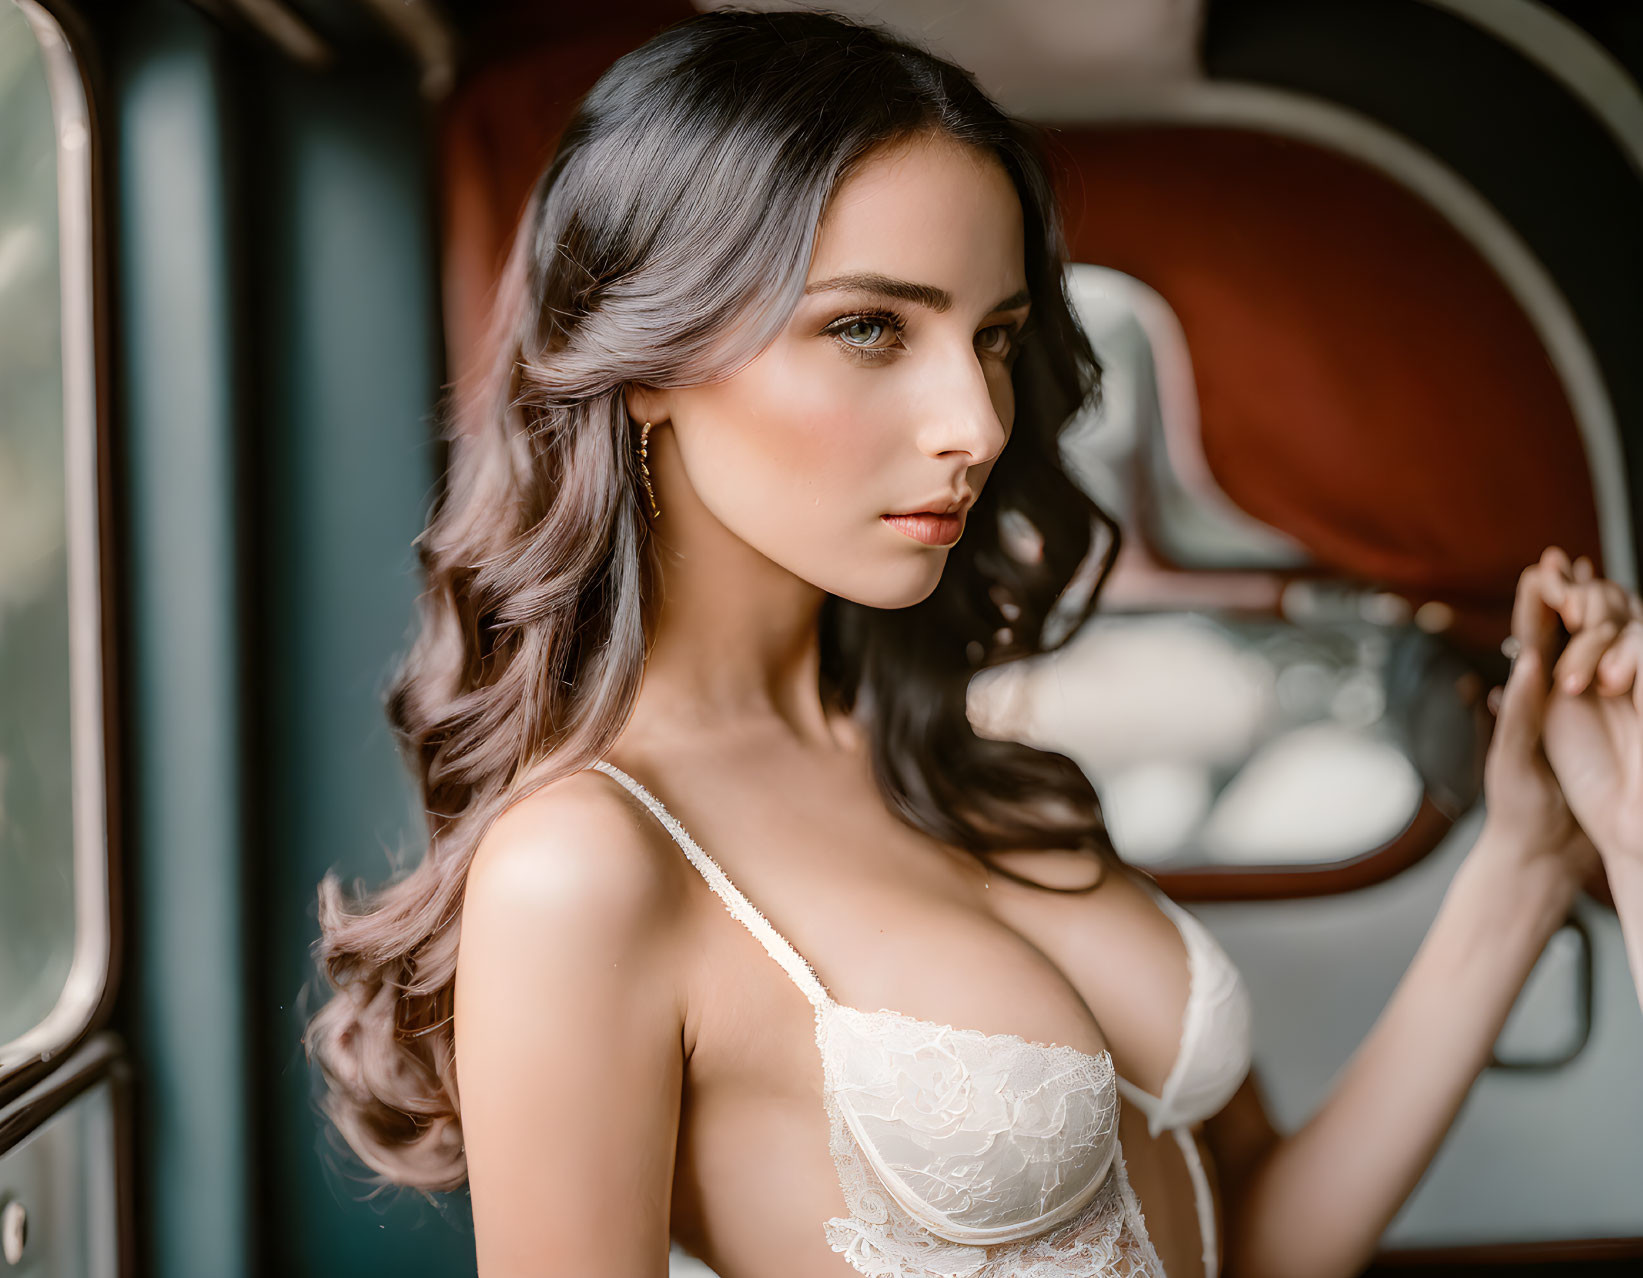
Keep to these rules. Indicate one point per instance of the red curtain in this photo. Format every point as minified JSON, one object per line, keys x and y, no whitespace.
{"x":1367,"y":384}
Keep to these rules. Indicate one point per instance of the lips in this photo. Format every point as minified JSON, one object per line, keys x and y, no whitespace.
{"x":942,"y":505}
{"x":929,"y":527}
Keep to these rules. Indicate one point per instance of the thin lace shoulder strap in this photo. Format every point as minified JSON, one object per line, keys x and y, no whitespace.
{"x":775,"y":944}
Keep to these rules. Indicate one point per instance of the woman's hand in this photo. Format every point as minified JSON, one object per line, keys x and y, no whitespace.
{"x":1526,"y":809}
{"x":1593,"y":724}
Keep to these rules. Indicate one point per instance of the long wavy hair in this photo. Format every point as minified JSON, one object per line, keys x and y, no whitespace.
{"x":686,"y":192}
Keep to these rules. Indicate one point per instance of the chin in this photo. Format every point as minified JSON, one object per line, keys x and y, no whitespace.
{"x":899,"y":585}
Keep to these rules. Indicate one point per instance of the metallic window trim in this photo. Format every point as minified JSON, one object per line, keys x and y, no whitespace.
{"x":100,"y":1056}
{"x":423,"y":28}
{"x":100,"y":1059}
{"x":1223,"y":104}
{"x":279,"y":24}
{"x":90,"y":975}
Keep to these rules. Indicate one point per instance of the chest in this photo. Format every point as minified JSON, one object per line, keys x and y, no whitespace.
{"x":971,"y":1132}
{"x":955,"y":1138}
{"x":755,"y":1179}
{"x":887,"y":917}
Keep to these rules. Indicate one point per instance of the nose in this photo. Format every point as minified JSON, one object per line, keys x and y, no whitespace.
{"x":963,"y":416}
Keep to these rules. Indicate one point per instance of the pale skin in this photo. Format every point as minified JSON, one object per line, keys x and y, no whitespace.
{"x":1591,"y":721}
{"x":634,"y":1066}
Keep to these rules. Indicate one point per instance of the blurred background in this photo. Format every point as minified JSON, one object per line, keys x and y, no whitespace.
{"x":1367,"y":280}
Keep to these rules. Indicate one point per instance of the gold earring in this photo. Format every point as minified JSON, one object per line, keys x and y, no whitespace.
{"x":644,"y":468}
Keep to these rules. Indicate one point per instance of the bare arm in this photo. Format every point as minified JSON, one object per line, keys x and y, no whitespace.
{"x":1626,"y":886}
{"x":1594,"y":731}
{"x":569,"y":1020}
{"x":1316,"y":1203}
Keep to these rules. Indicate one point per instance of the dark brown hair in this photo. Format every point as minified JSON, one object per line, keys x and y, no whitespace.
{"x":666,"y":243}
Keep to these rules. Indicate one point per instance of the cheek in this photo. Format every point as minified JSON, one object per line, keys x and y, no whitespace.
{"x":816,"y":437}
{"x":797,"y":459}
{"x":836,"y":448}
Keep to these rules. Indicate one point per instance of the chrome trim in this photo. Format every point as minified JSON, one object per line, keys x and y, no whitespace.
{"x":424,"y":29}
{"x":278,"y":23}
{"x":89,"y":969}
{"x":23,"y":1115}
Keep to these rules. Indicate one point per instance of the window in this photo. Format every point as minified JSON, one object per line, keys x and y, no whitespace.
{"x":54,"y":894}
{"x":1237,"y":710}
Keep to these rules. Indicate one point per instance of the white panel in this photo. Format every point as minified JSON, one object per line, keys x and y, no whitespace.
{"x":1531,"y":1156}
{"x":63,"y":1175}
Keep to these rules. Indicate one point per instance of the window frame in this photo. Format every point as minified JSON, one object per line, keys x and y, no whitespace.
{"x":88,"y":990}
{"x":1283,"y":113}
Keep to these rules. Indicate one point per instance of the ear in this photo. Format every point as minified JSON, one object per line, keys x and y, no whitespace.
{"x":645,"y":403}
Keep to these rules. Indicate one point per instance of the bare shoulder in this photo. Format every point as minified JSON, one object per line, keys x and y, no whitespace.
{"x":578,"y":852}
{"x":571,"y":886}
{"x":569,"y":1016}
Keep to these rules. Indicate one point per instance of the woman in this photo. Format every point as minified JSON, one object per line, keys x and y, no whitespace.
{"x":765,"y":469}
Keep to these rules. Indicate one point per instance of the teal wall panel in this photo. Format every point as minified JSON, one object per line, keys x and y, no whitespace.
{"x":175,"y":347}
{"x":276,"y":340}
{"x":348,"y":371}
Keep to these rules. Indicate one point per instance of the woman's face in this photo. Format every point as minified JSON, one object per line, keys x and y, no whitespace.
{"x":888,"y":391}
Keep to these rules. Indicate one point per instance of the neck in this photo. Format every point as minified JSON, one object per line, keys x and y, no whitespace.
{"x":736,"y":650}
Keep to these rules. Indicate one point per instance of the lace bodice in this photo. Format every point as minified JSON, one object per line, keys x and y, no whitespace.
{"x":969,"y":1154}
{"x":977,"y":1155}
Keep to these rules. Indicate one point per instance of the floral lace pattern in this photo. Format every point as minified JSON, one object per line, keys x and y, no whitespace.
{"x":961,"y":1154}
{"x":971,"y":1155}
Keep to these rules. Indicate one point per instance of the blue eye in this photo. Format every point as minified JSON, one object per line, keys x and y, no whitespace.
{"x":877,"y":323}
{"x":880,"y":320}
{"x":861,"y":323}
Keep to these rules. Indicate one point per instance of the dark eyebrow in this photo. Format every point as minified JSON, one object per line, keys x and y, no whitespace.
{"x":926,"y":295}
